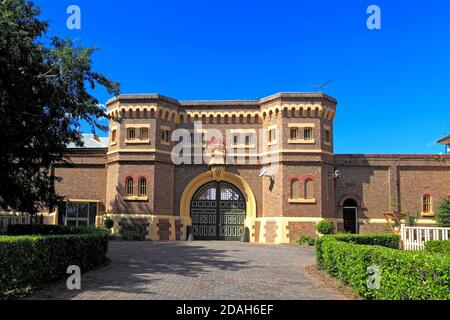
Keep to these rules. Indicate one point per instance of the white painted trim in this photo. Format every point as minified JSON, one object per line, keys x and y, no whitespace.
{"x":137,"y":126}
{"x":302,"y":125}
{"x":302,"y":141}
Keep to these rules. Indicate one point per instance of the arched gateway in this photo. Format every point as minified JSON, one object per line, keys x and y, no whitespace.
{"x":234,"y":203}
{"x":218,"y":212}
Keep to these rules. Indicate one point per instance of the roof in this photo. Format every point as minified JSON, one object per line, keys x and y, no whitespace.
{"x":90,"y":142}
{"x":283,"y":95}
{"x":445,"y":140}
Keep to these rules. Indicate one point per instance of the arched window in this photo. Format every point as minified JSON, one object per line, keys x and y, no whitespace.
{"x":427,"y":204}
{"x":295,"y":189}
{"x":129,"y":186}
{"x":309,"y":189}
{"x":143,"y":187}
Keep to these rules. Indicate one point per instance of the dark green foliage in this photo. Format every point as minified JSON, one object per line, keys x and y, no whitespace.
{"x":28,"y":263}
{"x":45,"y":87}
{"x":442,"y":247}
{"x":325,"y":227}
{"x":405,"y":275}
{"x":443,"y":214}
{"x":44,"y":230}
{"x":306,"y":240}
{"x":383,"y":240}
{"x":108,"y":223}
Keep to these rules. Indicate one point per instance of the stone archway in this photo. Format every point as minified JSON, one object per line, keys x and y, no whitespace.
{"x":218,"y":174}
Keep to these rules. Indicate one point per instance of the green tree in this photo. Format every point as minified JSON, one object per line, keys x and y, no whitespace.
{"x":443,"y":214}
{"x":45,"y":89}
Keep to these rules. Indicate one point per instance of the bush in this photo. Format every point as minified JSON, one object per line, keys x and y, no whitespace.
{"x":384,"y":240}
{"x":108,"y":223}
{"x":325,"y":227}
{"x":442,"y":247}
{"x":44,"y":230}
{"x":405,"y":275}
{"x":306,"y":240}
{"x":443,"y":214}
{"x":28,"y":263}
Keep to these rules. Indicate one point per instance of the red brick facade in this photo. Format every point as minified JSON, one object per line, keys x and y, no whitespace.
{"x":377,"y":183}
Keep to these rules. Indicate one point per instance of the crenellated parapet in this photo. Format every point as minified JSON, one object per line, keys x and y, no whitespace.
{"x":289,"y":105}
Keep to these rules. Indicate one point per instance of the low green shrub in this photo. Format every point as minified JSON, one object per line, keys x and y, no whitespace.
{"x":28,"y":263}
{"x":442,"y":247}
{"x":44,"y":230}
{"x":108,"y":223}
{"x":325,"y":227}
{"x":306,"y":240}
{"x":383,"y":240}
{"x":404,"y":275}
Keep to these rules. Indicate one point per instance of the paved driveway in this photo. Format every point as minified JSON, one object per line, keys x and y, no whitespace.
{"x":200,"y":270}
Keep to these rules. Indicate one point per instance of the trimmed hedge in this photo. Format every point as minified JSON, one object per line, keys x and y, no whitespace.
{"x":44,"y":230}
{"x":384,"y":240}
{"x":28,"y":263}
{"x":405,"y":275}
{"x":438,"y":247}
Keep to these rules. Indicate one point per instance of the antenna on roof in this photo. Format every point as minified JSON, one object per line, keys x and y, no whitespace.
{"x":322,"y":87}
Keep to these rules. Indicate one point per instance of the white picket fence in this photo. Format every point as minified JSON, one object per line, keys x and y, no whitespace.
{"x":9,"y":218}
{"x":414,"y":238}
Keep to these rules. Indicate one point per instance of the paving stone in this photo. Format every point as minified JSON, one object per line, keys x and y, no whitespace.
{"x":199,"y":270}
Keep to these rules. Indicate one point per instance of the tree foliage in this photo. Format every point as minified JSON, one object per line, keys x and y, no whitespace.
{"x":443,"y":214}
{"x":45,"y":89}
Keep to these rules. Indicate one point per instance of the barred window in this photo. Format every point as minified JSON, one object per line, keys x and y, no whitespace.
{"x":129,"y":186}
{"x":307,"y":134}
{"x":142,"y":187}
{"x":248,"y":140}
{"x":427,"y":207}
{"x":144,"y":133}
{"x":131,"y":134}
{"x":295,"y":189}
{"x":309,"y":189}
{"x":272,"y":136}
{"x":294,"y":133}
{"x":327,"y":136}
{"x":114,"y":136}
{"x":165,"y":136}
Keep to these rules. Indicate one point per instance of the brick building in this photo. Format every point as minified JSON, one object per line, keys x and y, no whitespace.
{"x":269,"y":167}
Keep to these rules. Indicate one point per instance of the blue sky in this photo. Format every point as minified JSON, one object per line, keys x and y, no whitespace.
{"x":392,"y":84}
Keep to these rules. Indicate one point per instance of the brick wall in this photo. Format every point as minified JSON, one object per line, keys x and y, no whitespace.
{"x":270,"y":231}
{"x":297,"y":229}
{"x":381,"y":182}
{"x":85,"y":179}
